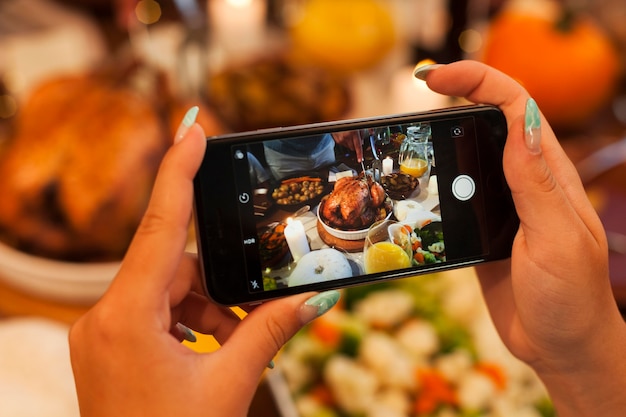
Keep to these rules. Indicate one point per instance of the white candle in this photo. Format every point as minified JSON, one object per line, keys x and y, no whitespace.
{"x":237,"y":20}
{"x":387,"y":166}
{"x":409,"y":94}
{"x":296,"y":239}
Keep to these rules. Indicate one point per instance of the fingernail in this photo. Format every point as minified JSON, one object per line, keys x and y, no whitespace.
{"x":318,"y":305}
{"x":271,"y":365}
{"x":422,"y":71}
{"x":188,"y":121}
{"x":188,"y":335}
{"x":532,"y":127}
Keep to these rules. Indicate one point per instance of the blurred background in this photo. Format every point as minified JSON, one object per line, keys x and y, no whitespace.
{"x":92,"y":91}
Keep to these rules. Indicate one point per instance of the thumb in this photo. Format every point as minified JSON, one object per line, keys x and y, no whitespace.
{"x":262,"y":333}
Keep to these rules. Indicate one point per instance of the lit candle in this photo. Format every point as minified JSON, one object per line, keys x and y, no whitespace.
{"x":237,"y":20}
{"x":296,"y":239}
{"x":409,"y":94}
{"x":387,"y":166}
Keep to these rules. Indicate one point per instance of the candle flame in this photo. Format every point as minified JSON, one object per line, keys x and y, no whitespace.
{"x":239,"y":3}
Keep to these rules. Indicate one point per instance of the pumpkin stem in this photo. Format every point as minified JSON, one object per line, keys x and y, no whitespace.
{"x":571,"y":9}
{"x":566,"y":22}
{"x":319,"y":269}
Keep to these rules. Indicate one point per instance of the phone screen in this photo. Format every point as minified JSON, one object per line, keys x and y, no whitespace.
{"x":309,"y":214}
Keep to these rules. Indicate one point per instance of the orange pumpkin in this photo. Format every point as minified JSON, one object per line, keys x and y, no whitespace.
{"x":568,"y":65}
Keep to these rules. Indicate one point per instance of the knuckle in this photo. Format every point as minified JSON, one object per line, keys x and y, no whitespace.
{"x":277,"y":332}
{"x":152,"y":222}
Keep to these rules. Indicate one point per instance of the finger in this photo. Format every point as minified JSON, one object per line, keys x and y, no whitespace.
{"x":498,"y":292}
{"x":549,"y":170}
{"x":189,"y":278}
{"x":152,"y":259}
{"x":268,"y":327}
{"x":479,"y":83}
{"x":553,"y":212}
{"x":482,"y":84}
{"x":200,"y":314}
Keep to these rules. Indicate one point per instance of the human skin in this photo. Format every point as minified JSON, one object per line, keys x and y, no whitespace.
{"x":552,"y":302}
{"x":126,"y":352}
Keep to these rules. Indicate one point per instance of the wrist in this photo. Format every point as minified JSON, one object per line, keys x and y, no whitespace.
{"x":592,"y":383}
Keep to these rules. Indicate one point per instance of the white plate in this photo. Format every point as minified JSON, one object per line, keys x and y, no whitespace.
{"x":73,"y":282}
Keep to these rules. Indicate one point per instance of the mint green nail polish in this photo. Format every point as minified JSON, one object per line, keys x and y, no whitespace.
{"x":318,"y":305}
{"x":188,"y":121}
{"x":271,"y":365}
{"x":190,"y":116}
{"x":187,"y":333}
{"x":532,"y":127}
{"x":422,"y":71}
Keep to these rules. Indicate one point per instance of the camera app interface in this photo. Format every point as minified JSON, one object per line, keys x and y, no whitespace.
{"x":347,"y":204}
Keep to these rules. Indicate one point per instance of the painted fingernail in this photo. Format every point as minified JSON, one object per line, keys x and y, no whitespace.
{"x":188,"y":335}
{"x":188,"y":121}
{"x":271,"y":365}
{"x":532,"y":127}
{"x":422,"y":71}
{"x":318,"y":305}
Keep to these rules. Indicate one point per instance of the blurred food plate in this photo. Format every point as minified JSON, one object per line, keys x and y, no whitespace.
{"x":71,"y":282}
{"x":423,"y":346}
{"x":276,"y":90}
{"x":35,"y":372}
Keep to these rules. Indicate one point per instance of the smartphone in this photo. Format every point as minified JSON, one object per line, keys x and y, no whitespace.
{"x":287,"y":210}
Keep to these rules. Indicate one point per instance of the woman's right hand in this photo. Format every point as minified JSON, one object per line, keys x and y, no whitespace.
{"x":552,"y":302}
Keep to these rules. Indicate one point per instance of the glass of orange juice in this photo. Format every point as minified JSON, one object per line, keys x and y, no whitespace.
{"x":380,"y":253}
{"x":414,"y":158}
{"x":415,"y":167}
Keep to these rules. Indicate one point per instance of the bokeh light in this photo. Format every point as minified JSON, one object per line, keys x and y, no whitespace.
{"x":148,"y":11}
{"x":239,"y":3}
{"x":470,"y":41}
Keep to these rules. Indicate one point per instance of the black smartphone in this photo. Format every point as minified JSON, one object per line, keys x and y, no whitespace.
{"x":288,"y":210}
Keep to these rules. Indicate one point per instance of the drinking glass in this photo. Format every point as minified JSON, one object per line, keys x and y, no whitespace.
{"x":387,"y":247}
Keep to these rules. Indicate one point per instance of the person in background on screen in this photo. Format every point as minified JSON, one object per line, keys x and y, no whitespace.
{"x":308,"y":154}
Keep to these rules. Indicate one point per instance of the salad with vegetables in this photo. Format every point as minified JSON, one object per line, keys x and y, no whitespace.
{"x":409,"y":348}
{"x":423,"y":245}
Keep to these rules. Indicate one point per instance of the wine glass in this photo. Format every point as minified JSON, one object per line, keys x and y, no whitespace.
{"x":380,"y":141}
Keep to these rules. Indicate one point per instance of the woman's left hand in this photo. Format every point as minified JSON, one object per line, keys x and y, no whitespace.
{"x":126,"y":352}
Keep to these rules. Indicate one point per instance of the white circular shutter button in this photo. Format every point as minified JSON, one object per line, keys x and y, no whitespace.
{"x":463,"y":187}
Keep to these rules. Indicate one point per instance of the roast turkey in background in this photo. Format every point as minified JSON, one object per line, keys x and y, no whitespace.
{"x":79,"y":167}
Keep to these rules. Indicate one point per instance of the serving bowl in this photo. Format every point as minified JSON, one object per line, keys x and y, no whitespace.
{"x":287,"y":200}
{"x":70,"y":282}
{"x":359,"y":234}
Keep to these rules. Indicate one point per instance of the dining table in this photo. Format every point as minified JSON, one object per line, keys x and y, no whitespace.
{"x":606,"y":190}
{"x":318,"y":234}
